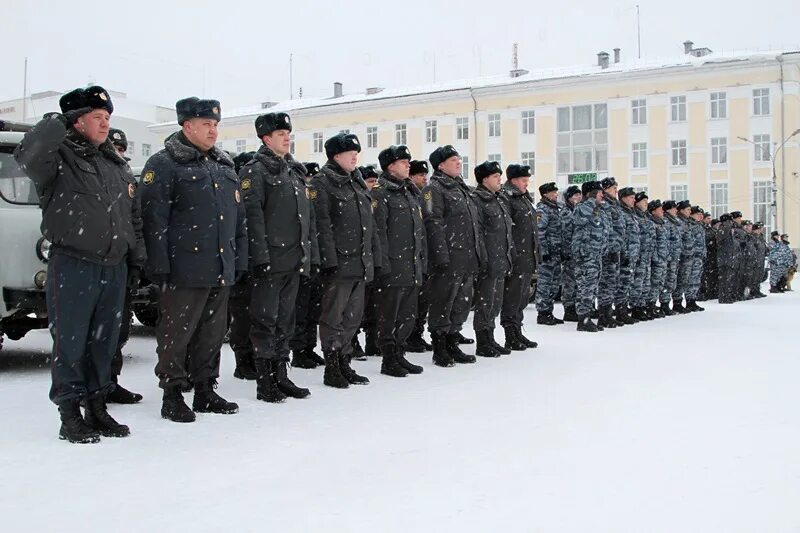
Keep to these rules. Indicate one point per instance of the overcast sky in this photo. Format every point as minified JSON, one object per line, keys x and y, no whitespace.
{"x":238,"y":51}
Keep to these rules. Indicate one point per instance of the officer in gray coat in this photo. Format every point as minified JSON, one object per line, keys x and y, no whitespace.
{"x":496,"y":226}
{"x":609,"y":278}
{"x":550,"y":234}
{"x":196,"y":235}
{"x":699,"y":251}
{"x":687,"y":245}
{"x":588,"y":242}
{"x":572,"y":196}
{"x":629,"y":256}
{"x":662,"y":256}
{"x":456,"y":253}
{"x":675,"y":239}
{"x":640,"y":289}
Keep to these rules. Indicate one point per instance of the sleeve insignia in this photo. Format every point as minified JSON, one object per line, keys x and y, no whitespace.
{"x":148,"y":177}
{"x":428,"y":196}
{"x":245,"y":184}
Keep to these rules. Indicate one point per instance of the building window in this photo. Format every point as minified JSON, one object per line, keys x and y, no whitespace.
{"x":718,"y":194}
{"x":131,"y":148}
{"x":291,"y":144}
{"x":318,"y":143}
{"x":762,"y":203}
{"x":762,"y":147}
{"x":678,"y":105}
{"x":639,"y":151}
{"x":430,"y":131}
{"x":219,"y":145}
{"x":719,"y":105}
{"x":639,"y":111}
{"x":679,"y":153}
{"x":400,"y":134}
{"x":529,"y":158}
{"x":241,"y":145}
{"x":761,"y":101}
{"x":372,"y":136}
{"x":719,"y":151}
{"x":494,"y":124}
{"x":493,"y":157}
{"x":528,"y":122}
{"x":462,"y":128}
{"x":464,"y":167}
{"x":145,"y":150}
{"x":641,"y":188}
{"x":679,"y":193}
{"x":582,"y":138}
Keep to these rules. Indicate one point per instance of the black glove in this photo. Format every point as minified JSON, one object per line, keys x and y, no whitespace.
{"x":134,"y":276}
{"x":565,"y":257}
{"x":71,"y":116}
{"x":379,"y":272}
{"x":261,"y":271}
{"x":240,"y":275}
{"x":612,"y":257}
{"x":624,"y":261}
{"x":159,"y":280}
{"x":329,"y":271}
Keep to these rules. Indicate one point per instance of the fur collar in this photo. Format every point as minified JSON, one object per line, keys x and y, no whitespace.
{"x":84,"y":149}
{"x":182,"y":151}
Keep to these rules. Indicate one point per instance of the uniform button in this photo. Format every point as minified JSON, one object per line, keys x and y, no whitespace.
{"x":194,"y":177}
{"x":222,"y":282}
{"x":221,"y":250}
{"x":301,"y":270}
{"x":221,"y":217}
{"x":216,"y":185}
{"x":195,"y":248}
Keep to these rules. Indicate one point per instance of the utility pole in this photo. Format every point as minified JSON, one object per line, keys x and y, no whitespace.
{"x":25,"y":92}
{"x":291,"y":81}
{"x":638,"y":32}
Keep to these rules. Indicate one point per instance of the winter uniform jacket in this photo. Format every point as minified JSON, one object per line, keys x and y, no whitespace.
{"x":662,"y":251}
{"x":698,"y":239}
{"x":631,"y":246}
{"x":346,"y":232}
{"x":780,"y":256}
{"x":711,"y":243}
{"x":397,"y":209}
{"x":616,"y":225}
{"x":280,"y":215}
{"x":86,"y":193}
{"x":194,"y":218}
{"x":647,"y":234}
{"x":526,"y":240}
{"x":687,"y":236}
{"x":566,"y":213}
{"x":549,"y":229}
{"x":451,"y":222}
{"x":590,"y":230}
{"x":496,"y":227}
{"x":675,"y":237}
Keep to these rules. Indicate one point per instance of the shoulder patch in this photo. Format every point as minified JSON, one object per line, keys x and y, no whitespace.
{"x":148,"y":177}
{"x":312,"y":194}
{"x":428,"y":195}
{"x":374,"y":205}
{"x":246,"y":184}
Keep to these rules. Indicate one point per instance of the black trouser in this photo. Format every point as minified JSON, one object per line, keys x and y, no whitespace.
{"x":84,"y":305}
{"x":193,"y":324}
{"x":397,"y":313}
{"x":728,"y":284}
{"x":272,"y":306}
{"x":369,"y":322}
{"x":342,"y":311}
{"x":124,"y":335}
{"x":307,"y":310}
{"x":488,"y":302}
{"x":450,"y":297}
{"x":709,"y":285}
{"x":516,"y":296}
{"x":239,"y":312}
{"x":422,"y":308}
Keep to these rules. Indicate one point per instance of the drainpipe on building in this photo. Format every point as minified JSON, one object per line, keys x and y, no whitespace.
{"x":783,"y":155}
{"x":475,"y":121}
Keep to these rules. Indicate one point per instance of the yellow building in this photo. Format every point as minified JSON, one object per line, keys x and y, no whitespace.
{"x":703,"y":126}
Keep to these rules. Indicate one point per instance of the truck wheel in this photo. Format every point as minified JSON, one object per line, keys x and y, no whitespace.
{"x":146,"y":314}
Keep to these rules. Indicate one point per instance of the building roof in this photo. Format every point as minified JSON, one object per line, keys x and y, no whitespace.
{"x":540,"y":75}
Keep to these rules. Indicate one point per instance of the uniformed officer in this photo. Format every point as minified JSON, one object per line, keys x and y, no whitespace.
{"x":194,"y":227}
{"x":307,"y":307}
{"x":609,"y":277}
{"x":397,"y":208}
{"x":349,"y":252}
{"x":517,"y":288}
{"x":370,"y":321}
{"x":496,"y":226}
{"x":685,"y":265}
{"x":572,"y":196}
{"x":455,"y":252}
{"x":732,"y":250}
{"x":676,"y":249}
{"x":640,"y":287}
{"x":661,"y":258}
{"x":761,"y":251}
{"x":86,"y":194}
{"x":548,"y":274}
{"x":709,"y":286}
{"x":418,"y":174}
{"x":283,"y":248}
{"x":588,"y":238}
{"x":698,"y":232}
{"x":629,"y":256}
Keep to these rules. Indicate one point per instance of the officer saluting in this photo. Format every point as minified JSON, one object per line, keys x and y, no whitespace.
{"x":194,"y":227}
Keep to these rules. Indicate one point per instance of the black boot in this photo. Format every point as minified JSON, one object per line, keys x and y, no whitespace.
{"x":302,"y":359}
{"x":390,"y":364}
{"x":484,"y":346}
{"x":513,"y":342}
{"x":585,"y":324}
{"x":441,"y":356}
{"x":314,"y":356}
{"x":604,"y":320}
{"x":417,"y":344}
{"x":463,"y":340}
{"x":285,"y":384}
{"x":497,"y":346}
{"x":455,"y":352}
{"x":546,"y":318}
{"x":358,"y":353}
{"x":570,"y":315}
{"x":524,"y":340}
{"x":267,"y":389}
{"x":677,"y":307}
{"x":97,"y":417}
{"x":629,"y":313}
{"x":408,"y":365}
{"x":122,"y":395}
{"x":348,"y":372}
{"x":73,"y":427}
{"x":333,"y":374}
{"x":371,"y":345}
{"x":622,"y":316}
{"x":691,"y":305}
{"x":245,"y":367}
{"x":640,"y":314}
{"x":665,"y":310}
{"x":774,"y":289}
{"x":206,"y":400}
{"x":174,"y":408}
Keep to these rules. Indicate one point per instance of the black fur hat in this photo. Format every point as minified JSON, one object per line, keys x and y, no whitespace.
{"x":641,"y":195}
{"x":545,"y":188}
{"x":725,"y":217}
{"x":118,"y":138}
{"x":608,"y":182}
{"x":340,"y":143}
{"x":392,"y":154}
{"x":441,"y":154}
{"x":625,"y":192}
{"x":517,"y":171}
{"x":242,"y":159}
{"x":758,"y":225}
{"x":94,"y":97}
{"x":572,"y":190}
{"x":419,"y":167}
{"x":736,"y":214}
{"x":266,"y":124}
{"x":588,"y":187}
{"x":652,"y":205}
{"x":193,"y":107}
{"x":312,"y":168}
{"x":696,"y":209}
{"x":683,"y":204}
{"x":715,"y":221}
{"x":669,"y":204}
{"x":486,"y":169}
{"x":368,"y":172}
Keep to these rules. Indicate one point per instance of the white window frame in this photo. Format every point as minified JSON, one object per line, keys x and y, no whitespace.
{"x":147,"y":149}
{"x":762,"y":149}
{"x":372,"y":136}
{"x":464,"y":167}
{"x":131,"y":148}
{"x":719,"y":151}
{"x":718,"y":198}
{"x":639,"y":155}
{"x":462,"y":128}
{"x":319,"y":143}
{"x":400,"y":134}
{"x":677,"y":105}
{"x":346,"y":131}
{"x":495,"y":157}
{"x":679,"y":153}
{"x":679,"y":192}
{"x":241,"y":145}
{"x":582,"y":140}
{"x":528,"y":158}
{"x":291,"y":144}
{"x":762,"y":203}
{"x":493,"y":125}
{"x":431,"y":131}
{"x":528,"y":121}
{"x":639,"y":111}
{"x":761,"y":103}
{"x":719,"y":105}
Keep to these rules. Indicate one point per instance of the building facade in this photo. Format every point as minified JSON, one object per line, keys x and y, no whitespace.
{"x":704,"y":128}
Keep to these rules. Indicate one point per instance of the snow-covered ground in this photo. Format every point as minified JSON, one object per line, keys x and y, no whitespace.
{"x":686,"y":424}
